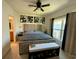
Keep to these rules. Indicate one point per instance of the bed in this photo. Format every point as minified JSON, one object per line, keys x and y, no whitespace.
{"x":33,"y":37}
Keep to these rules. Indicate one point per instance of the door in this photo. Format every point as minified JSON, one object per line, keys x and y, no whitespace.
{"x":11,"y":28}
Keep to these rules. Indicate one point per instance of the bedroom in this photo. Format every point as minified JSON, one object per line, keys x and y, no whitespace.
{"x":58,"y":10}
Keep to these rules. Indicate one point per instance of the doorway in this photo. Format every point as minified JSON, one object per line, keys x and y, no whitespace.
{"x":11,"y":28}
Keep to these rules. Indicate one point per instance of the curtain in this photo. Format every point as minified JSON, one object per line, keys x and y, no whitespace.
{"x":52,"y":26}
{"x":69,"y":38}
{"x":65,"y":32}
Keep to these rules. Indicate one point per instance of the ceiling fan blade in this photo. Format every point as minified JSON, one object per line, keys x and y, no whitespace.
{"x":45,"y":5}
{"x":41,"y":9}
{"x":35,"y":9}
{"x":32,"y":5}
{"x":33,"y":2}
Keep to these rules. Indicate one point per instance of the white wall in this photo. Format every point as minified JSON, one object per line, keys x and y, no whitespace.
{"x":6,"y":12}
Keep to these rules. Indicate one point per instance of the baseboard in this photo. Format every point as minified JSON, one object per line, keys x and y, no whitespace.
{"x":5,"y":50}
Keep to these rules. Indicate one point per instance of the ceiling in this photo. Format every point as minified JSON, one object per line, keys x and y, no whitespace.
{"x":21,"y":6}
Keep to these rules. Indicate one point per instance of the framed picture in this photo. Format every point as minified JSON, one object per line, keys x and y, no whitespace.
{"x":42,"y":20}
{"x":30,"y":19}
{"x":22,"y":19}
{"x":36,"y":19}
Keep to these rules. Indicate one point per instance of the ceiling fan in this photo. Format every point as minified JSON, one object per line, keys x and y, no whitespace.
{"x":39,"y":5}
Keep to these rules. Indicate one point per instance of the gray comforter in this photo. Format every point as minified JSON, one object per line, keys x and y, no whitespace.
{"x":35,"y":36}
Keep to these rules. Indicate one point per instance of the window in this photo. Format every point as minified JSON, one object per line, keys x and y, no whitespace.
{"x":58,"y":27}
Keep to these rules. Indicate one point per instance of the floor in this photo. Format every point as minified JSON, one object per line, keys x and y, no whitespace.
{"x":14,"y":54}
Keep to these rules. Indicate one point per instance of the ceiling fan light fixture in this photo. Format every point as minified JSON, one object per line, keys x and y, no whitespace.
{"x":39,"y":5}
